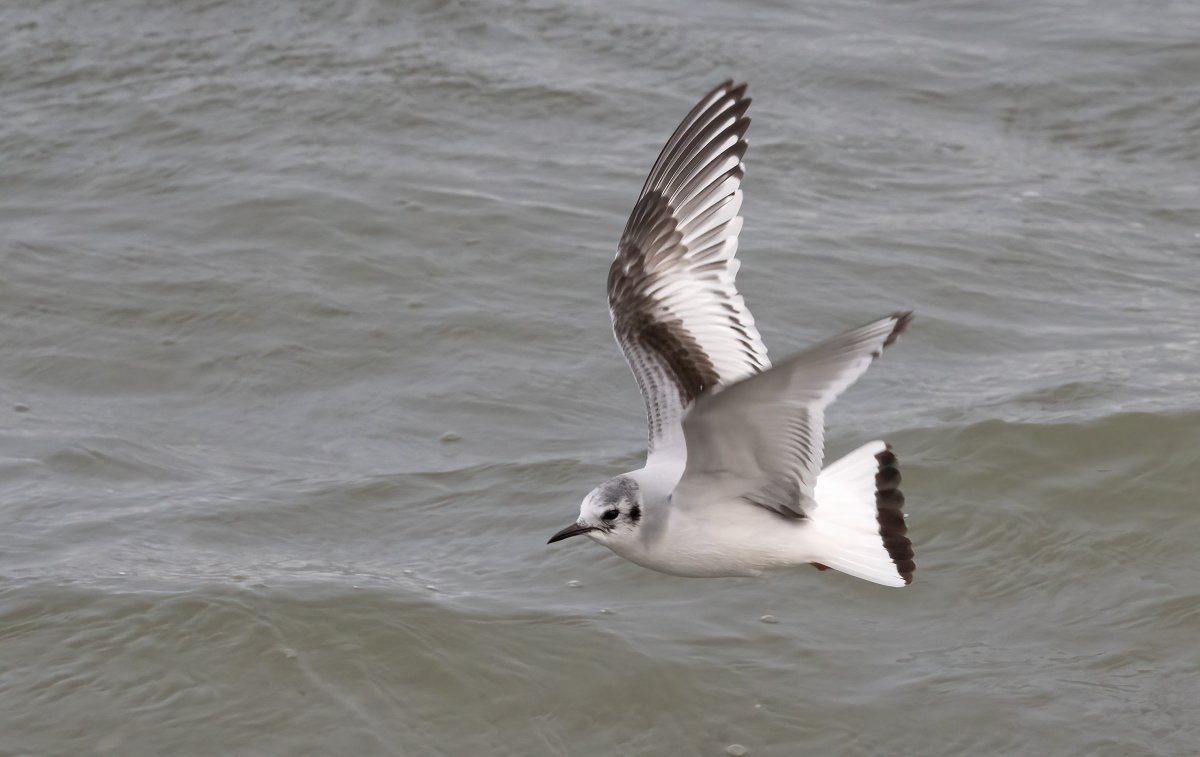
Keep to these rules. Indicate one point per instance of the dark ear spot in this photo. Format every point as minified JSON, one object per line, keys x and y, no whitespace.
{"x":635,"y":513}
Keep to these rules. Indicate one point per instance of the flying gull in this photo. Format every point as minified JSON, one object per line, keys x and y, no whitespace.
{"x":733,"y":483}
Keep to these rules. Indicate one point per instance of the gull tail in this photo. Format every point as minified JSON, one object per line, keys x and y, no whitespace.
{"x":858,"y":522}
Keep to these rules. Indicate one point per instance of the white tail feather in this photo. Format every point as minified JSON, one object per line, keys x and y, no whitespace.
{"x":857,"y":521}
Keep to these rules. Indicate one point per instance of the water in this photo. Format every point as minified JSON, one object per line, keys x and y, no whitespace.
{"x":305,"y":355}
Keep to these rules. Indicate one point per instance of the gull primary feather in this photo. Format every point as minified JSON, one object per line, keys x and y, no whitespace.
{"x":733,"y":483}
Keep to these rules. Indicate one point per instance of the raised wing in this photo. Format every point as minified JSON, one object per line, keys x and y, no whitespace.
{"x":763,"y":440}
{"x":676,"y":312}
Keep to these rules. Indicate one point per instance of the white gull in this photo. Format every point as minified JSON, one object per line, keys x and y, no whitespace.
{"x":733,"y":483}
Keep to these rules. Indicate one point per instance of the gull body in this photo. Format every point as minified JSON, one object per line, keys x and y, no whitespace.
{"x":683,"y":544}
{"x":733,"y":483}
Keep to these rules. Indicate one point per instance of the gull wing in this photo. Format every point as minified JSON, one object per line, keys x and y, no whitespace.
{"x":763,"y":440}
{"x":676,"y":312}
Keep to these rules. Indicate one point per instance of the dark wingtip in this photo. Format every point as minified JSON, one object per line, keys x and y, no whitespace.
{"x":902,"y":320}
{"x":735,"y":92}
{"x":728,"y":88}
{"x":889,"y":510}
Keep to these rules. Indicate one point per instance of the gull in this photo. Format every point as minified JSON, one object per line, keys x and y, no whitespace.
{"x":733,"y":483}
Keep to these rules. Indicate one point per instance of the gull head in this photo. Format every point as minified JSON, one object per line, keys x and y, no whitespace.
{"x":610,"y":513}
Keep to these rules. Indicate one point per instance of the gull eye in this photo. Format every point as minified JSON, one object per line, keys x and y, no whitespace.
{"x":610,"y":514}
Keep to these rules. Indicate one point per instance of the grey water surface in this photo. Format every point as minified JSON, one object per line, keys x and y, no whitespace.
{"x":304,"y":354}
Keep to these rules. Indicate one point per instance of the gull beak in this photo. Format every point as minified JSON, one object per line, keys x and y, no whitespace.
{"x":574,"y":529}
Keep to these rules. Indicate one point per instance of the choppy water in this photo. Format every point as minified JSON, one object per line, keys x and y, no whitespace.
{"x":305,"y":354}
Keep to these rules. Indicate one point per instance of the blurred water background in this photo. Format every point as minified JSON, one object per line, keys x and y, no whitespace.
{"x":305,"y":354}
